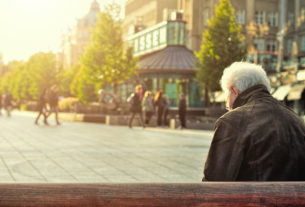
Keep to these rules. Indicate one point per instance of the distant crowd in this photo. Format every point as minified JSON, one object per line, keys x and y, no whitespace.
{"x":143,"y":104}
{"x":150,"y":105}
{"x":47,"y":104}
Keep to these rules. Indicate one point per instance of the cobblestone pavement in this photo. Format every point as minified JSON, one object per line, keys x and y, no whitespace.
{"x":77,"y":152}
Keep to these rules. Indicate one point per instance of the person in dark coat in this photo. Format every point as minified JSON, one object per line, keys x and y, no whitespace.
{"x":53,"y":102}
{"x":42,"y":107}
{"x":182,"y":110}
{"x":165,"y":110}
{"x":259,"y":139}
{"x":8,"y":103}
{"x":160,"y":105}
{"x":136,"y":107}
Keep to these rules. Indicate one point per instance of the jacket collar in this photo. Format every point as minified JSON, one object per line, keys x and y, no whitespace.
{"x":253,"y":92}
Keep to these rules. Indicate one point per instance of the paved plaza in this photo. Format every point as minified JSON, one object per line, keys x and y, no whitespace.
{"x":77,"y":152}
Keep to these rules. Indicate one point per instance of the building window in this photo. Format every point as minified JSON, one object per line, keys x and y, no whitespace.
{"x":136,"y":45}
{"x":303,"y":14}
{"x":206,"y":17}
{"x":291,"y":19}
{"x":142,"y":43}
{"x":162,"y":35}
{"x":273,"y":19}
{"x":260,"y":17}
{"x":259,"y":44}
{"x":303,"y":43}
{"x":289,"y":45}
{"x":155,"y":38}
{"x":181,"y":34}
{"x":240,"y":17}
{"x":271,"y":45}
{"x":148,"y":41}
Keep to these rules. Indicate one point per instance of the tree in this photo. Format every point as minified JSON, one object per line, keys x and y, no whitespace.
{"x":105,"y":61}
{"x":26,"y":80}
{"x":66,"y":77}
{"x":42,"y":72}
{"x":82,"y":88}
{"x":222,"y":45}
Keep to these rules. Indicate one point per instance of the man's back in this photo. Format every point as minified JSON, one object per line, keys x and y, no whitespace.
{"x":260,"y":140}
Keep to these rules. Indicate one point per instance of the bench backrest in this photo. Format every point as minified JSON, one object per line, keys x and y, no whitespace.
{"x":199,"y":194}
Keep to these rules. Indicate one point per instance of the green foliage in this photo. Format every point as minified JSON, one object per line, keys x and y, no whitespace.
{"x":42,"y":72}
{"x":105,"y":61}
{"x":82,"y":88}
{"x":25,"y":80}
{"x":65,"y":79}
{"x":222,"y":45}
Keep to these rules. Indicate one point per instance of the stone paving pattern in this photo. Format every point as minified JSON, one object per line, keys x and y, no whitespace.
{"x":77,"y":152}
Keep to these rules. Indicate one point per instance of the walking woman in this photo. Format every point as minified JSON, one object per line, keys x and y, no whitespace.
{"x":53,"y":102}
{"x":148,"y":106}
{"x":160,"y":104}
{"x":136,"y":107}
{"x":42,"y":107}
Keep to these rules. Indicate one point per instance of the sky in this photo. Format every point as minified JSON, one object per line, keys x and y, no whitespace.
{"x":31,"y":26}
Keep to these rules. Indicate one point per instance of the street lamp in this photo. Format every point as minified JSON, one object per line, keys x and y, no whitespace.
{"x":280,"y":36}
{"x":252,"y":33}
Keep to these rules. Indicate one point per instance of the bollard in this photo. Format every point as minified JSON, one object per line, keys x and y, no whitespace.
{"x":173,"y":124}
{"x":107,"y":121}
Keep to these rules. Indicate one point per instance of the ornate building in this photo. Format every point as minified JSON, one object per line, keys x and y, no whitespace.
{"x":294,"y":36}
{"x":259,"y":20}
{"x":78,"y":38}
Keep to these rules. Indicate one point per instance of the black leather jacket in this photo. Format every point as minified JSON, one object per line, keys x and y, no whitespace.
{"x":259,"y":140}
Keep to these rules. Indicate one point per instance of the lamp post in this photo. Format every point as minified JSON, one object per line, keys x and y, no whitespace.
{"x":252,"y":33}
{"x":280,"y":36}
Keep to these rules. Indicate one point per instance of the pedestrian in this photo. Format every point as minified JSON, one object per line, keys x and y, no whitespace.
{"x":8,"y":103}
{"x":159,"y":104}
{"x":53,"y":102}
{"x":165,"y":110}
{"x":136,"y":107}
{"x":148,"y":106}
{"x":182,"y":111}
{"x":0,"y":103}
{"x":259,"y":138}
{"x":42,"y":107}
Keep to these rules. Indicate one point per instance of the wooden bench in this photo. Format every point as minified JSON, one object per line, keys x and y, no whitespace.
{"x":195,"y":194}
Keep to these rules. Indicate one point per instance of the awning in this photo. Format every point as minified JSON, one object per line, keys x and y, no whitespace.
{"x":281,"y":92}
{"x":296,"y":92}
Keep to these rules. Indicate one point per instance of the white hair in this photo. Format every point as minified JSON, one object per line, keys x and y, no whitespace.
{"x":243,"y":75}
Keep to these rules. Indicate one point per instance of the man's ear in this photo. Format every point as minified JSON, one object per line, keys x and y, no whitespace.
{"x":235,"y":90}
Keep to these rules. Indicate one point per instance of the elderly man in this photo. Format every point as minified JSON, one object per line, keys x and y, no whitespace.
{"x":259,"y":139}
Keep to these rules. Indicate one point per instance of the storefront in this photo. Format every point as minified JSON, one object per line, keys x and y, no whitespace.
{"x":165,"y":63}
{"x":171,"y":70}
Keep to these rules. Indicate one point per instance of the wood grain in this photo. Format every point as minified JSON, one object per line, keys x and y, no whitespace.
{"x":191,"y":194}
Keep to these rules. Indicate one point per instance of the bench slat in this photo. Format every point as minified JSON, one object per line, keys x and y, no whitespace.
{"x":191,"y":194}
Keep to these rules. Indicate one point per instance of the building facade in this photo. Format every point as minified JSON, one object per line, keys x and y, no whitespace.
{"x":156,"y":31}
{"x":294,"y":34}
{"x":77,"y":39}
{"x":259,"y":20}
{"x":141,"y":14}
